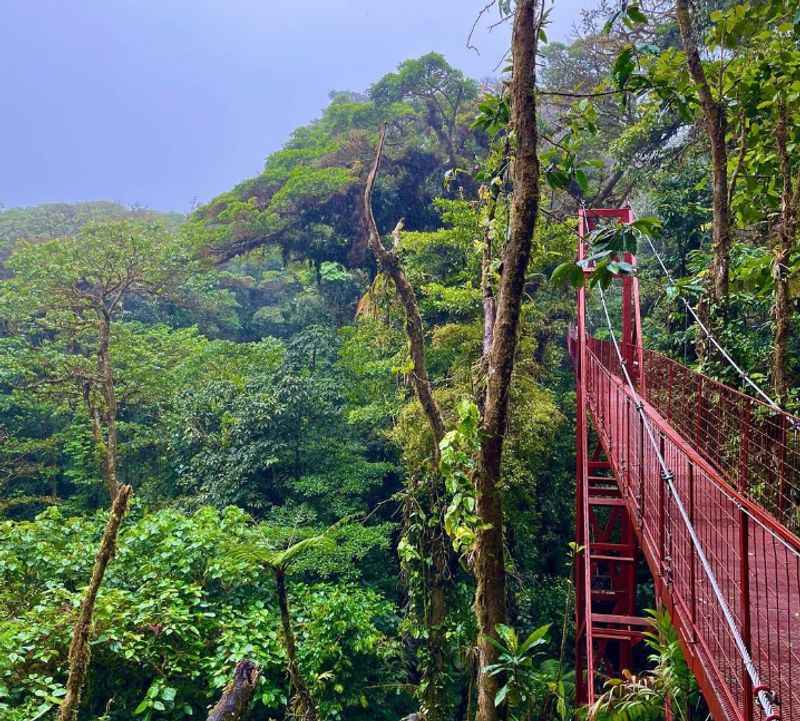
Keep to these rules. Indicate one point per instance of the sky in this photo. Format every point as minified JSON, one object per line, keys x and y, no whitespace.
{"x":166,"y":103}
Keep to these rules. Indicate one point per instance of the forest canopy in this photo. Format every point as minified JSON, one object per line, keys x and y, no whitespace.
{"x":311,"y":446}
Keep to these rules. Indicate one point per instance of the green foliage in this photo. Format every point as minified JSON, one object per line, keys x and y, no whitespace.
{"x":263,"y":553}
{"x":531,"y":688}
{"x":49,"y":452}
{"x":58,"y":220}
{"x":644,"y":697}
{"x":302,"y":203}
{"x":276,"y":442}
{"x":608,"y":244}
{"x":259,"y":363}
{"x":52,"y":279}
{"x":176,"y":612}
{"x":459,"y":449}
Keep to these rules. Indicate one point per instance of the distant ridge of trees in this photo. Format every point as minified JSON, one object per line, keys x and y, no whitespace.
{"x":54,"y":220}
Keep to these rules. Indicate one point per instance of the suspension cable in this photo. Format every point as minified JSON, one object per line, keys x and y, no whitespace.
{"x":764,"y":697}
{"x":749,"y":380}
{"x":713,"y":340}
{"x":737,"y":502}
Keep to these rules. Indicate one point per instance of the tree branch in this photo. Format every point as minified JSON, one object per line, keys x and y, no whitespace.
{"x":80,"y":646}
{"x":575,"y":94}
{"x":390,"y":264}
{"x":606,"y":188}
{"x":739,"y":160}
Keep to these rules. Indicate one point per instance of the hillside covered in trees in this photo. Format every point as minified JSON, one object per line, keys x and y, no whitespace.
{"x":308,"y":452}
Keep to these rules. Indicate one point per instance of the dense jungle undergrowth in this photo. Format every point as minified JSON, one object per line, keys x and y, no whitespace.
{"x":309,"y":451}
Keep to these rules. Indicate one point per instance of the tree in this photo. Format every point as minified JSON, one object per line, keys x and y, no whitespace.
{"x":56,"y":220}
{"x":767,"y":69}
{"x":715,"y":122}
{"x":440,"y":89}
{"x":279,"y":562}
{"x":490,"y":597}
{"x":63,"y":298}
{"x":62,"y":303}
{"x":80,"y":647}
{"x":490,"y":594}
{"x":306,"y":200}
{"x":433,"y":542}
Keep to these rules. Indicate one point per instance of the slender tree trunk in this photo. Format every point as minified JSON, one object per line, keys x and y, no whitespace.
{"x":787,"y":232}
{"x":715,"y":123}
{"x":305,"y":708}
{"x":489,"y":306}
{"x":487,"y":289}
{"x":435,"y":544}
{"x":79,"y":649}
{"x":106,"y":440}
{"x":235,"y":700}
{"x":434,"y":700}
{"x":389,"y":263}
{"x":110,"y":398}
{"x":443,"y":134}
{"x":490,"y":595}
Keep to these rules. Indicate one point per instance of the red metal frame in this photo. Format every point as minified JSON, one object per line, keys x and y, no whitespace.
{"x":736,"y":466}
{"x":607,"y":628}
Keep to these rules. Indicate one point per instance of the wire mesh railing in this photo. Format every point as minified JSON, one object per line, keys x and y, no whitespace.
{"x":714,"y":440}
{"x":755,"y":447}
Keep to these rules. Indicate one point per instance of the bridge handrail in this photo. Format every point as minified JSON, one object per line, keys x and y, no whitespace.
{"x":746,"y":557}
{"x":753,"y":446}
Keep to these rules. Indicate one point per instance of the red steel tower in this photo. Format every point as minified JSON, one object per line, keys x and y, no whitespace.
{"x":605,"y":566}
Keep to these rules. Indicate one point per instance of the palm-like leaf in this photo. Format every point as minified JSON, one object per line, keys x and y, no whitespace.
{"x":283,"y":559}
{"x":279,"y":559}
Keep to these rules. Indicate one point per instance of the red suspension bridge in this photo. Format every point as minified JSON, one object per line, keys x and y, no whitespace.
{"x":703,"y":483}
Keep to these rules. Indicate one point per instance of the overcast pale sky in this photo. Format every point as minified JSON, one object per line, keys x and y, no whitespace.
{"x":160,"y":102}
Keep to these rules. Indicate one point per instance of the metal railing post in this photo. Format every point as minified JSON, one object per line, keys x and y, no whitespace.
{"x":692,"y":559}
{"x":744,"y":593}
{"x":662,"y":518}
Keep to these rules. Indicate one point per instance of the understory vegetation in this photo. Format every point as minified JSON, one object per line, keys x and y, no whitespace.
{"x":325,"y":422}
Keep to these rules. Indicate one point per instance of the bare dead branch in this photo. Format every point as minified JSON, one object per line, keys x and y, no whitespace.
{"x":485,"y":9}
{"x":390,"y":264}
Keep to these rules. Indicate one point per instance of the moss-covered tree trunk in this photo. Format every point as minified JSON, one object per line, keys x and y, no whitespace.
{"x":79,"y":649}
{"x":490,"y":595}
{"x":435,"y":544}
{"x":304,"y":706}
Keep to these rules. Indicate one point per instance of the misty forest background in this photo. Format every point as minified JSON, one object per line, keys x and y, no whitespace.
{"x":246,"y":370}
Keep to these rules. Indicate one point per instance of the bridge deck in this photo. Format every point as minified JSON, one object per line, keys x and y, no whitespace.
{"x":734,"y":479}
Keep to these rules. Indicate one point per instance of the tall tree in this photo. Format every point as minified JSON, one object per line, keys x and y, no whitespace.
{"x":500,"y":343}
{"x":439,"y":88}
{"x":715,"y":122}
{"x":434,"y":706}
{"x":769,"y":73}
{"x":62,"y":301}
{"x":490,"y":596}
{"x":763,"y":71}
